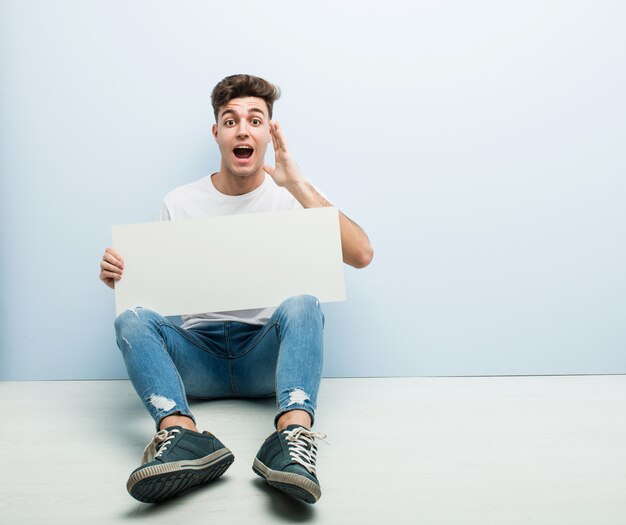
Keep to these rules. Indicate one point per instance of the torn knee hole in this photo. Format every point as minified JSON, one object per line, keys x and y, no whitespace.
{"x":298,"y":397}
{"x":161,"y":402}
{"x":134,"y":310}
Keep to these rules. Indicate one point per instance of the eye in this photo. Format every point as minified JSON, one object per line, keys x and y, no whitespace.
{"x":256,"y":121}
{"x":229,"y":122}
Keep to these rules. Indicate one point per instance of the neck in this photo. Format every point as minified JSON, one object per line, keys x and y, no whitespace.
{"x":231,"y":184}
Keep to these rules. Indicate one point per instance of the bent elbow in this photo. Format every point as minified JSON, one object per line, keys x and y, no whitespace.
{"x":364,"y":258}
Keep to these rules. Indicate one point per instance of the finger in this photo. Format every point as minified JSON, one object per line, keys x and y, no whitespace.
{"x":268,"y":169}
{"x":111,"y":259}
{"x":278,"y":137}
{"x":105,"y":266}
{"x":106,"y":276}
{"x":112,"y":252}
{"x":273,"y":137}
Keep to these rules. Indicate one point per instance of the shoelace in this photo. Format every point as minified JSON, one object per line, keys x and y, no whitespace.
{"x":160,"y":441}
{"x":302,"y":446}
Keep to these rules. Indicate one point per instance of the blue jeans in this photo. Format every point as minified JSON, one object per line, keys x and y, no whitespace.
{"x":167,"y":363}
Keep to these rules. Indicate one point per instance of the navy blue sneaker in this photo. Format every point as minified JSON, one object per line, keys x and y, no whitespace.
{"x":287,"y":461}
{"x":175,"y":461}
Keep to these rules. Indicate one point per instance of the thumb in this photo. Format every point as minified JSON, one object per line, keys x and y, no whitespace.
{"x":268,"y":169}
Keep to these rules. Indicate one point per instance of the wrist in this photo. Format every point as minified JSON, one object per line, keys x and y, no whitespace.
{"x":294,"y":184}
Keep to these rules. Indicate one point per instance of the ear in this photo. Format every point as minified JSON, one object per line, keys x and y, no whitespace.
{"x":214,"y":131}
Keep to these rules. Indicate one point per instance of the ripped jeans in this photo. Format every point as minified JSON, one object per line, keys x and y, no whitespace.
{"x":225,"y":359}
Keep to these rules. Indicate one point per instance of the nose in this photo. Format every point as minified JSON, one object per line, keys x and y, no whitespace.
{"x":242,"y":128}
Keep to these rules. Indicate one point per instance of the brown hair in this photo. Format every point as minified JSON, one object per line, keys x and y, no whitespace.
{"x":236,"y":86}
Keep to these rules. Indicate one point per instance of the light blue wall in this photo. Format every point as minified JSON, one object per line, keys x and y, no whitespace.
{"x":480,"y":144}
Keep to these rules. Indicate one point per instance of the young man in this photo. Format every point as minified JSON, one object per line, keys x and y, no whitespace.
{"x":251,"y":353}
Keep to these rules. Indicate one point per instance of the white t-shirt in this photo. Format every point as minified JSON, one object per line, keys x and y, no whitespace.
{"x":201,"y":199}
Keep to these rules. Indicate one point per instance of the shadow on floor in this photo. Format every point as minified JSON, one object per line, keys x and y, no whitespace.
{"x":149,"y":510}
{"x":279,"y":505}
{"x":283,"y":506}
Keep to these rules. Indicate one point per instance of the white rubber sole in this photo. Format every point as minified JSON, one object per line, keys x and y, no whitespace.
{"x":295,"y":485}
{"x":160,"y":482}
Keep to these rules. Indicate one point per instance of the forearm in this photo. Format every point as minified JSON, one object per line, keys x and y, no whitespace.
{"x":306,"y":194}
{"x":355,"y":245}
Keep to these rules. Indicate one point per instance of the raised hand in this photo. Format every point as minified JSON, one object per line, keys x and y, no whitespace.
{"x":286,"y":172}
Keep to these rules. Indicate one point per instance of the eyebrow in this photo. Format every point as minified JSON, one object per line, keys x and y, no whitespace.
{"x":233,"y":112}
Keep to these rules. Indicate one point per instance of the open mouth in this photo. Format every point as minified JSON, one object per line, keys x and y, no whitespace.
{"x":243,"y":152}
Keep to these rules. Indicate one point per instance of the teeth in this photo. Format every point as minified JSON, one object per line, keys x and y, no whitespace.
{"x":243,"y":147}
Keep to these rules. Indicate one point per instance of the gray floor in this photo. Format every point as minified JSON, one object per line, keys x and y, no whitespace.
{"x":501,"y":450}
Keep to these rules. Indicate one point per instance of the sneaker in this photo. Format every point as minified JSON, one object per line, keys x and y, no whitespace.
{"x":177,"y":460}
{"x":287,"y":461}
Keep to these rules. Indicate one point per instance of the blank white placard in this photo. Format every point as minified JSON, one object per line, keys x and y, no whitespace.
{"x":235,"y":262}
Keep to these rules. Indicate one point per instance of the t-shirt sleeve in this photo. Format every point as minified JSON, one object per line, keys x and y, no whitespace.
{"x":164,"y":214}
